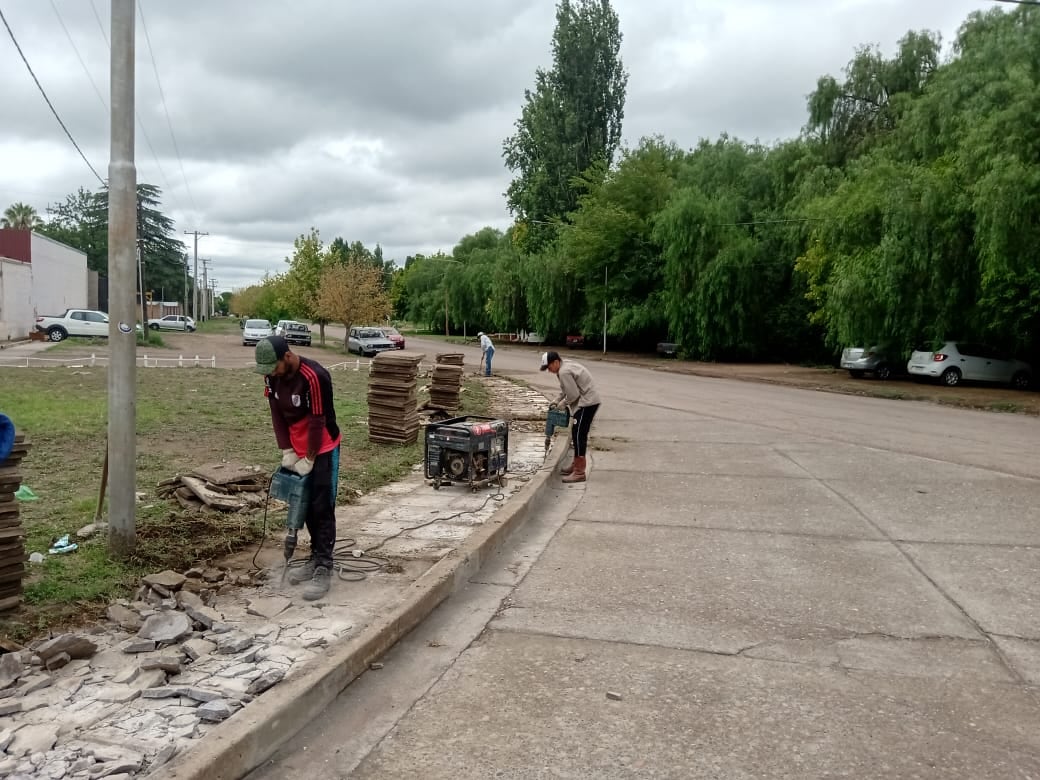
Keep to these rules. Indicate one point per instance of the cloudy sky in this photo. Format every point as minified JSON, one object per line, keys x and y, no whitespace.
{"x":383,"y":121}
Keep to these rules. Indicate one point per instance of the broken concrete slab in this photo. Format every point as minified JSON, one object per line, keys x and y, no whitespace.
{"x":166,"y":627}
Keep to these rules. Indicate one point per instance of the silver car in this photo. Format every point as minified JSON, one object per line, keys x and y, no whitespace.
{"x":368,"y":341}
{"x":866,"y":360}
{"x":254,"y":331}
{"x":959,"y":360}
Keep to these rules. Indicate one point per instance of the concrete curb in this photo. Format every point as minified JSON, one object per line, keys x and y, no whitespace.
{"x":252,"y":736}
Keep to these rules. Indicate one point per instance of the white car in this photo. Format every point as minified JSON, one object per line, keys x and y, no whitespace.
{"x":958,"y":360}
{"x":255,"y":330}
{"x":173,"y":322}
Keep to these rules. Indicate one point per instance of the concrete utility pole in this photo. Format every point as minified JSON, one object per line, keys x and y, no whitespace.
{"x":195,"y":279}
{"x":122,"y":336}
{"x":205,"y":287}
{"x":185,"y":312}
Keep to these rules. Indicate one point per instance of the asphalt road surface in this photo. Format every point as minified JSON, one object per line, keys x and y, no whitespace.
{"x":756,"y":581}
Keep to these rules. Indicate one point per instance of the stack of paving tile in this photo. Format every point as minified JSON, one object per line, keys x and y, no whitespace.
{"x":393,"y":410}
{"x":447,"y":382}
{"x":12,"y":535}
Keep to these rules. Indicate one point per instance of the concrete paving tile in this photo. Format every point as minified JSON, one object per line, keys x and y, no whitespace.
{"x":1023,"y":655}
{"x":535,"y":706}
{"x":776,"y":504}
{"x":997,"y":587}
{"x":692,"y":458}
{"x":724,"y":591}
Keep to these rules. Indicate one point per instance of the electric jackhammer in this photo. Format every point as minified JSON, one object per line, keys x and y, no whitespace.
{"x":294,"y":490}
{"x":556,"y":418}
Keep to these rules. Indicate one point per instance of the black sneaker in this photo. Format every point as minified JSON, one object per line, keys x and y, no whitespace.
{"x":302,"y":573}
{"x":319,"y":584}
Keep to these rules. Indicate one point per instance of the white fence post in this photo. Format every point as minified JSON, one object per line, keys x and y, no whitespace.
{"x":196,"y":361}
{"x":214,"y":361}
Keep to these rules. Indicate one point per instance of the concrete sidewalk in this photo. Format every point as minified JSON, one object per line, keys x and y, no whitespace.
{"x":214,"y":703}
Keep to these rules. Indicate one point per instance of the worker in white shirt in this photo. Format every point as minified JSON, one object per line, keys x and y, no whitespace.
{"x":579,"y":394}
{"x":487,"y":351}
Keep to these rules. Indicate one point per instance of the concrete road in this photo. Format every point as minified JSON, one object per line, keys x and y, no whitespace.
{"x":756,"y":581}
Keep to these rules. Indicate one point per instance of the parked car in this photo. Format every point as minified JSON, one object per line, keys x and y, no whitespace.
{"x":667,"y":349}
{"x":867,"y":360}
{"x":955,"y":361}
{"x":532,"y":337}
{"x":74,"y":322}
{"x":368,"y":341}
{"x":173,"y":322}
{"x":395,"y":336}
{"x":294,"y":332}
{"x":255,"y":330}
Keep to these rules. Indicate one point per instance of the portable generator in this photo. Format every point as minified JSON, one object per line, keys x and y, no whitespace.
{"x":473,"y":451}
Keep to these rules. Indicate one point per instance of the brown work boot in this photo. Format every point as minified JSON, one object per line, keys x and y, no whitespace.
{"x":578,"y":474}
{"x":568,"y":469}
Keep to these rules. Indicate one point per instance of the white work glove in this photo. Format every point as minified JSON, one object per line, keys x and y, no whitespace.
{"x":552,"y":406}
{"x":289,"y":458}
{"x":303,"y":466}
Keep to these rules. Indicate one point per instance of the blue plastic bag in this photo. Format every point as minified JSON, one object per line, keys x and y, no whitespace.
{"x":6,"y":437}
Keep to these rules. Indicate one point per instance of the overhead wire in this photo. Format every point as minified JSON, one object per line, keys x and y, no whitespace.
{"x":162,"y":97}
{"x":82,"y":64}
{"x":43,"y":92}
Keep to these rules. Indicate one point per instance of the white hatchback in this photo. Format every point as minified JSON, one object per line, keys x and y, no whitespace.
{"x":958,"y":360}
{"x":254,"y":331}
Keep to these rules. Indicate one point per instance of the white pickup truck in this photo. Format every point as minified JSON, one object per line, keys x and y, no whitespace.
{"x":74,"y":322}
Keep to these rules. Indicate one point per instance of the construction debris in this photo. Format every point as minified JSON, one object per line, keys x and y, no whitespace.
{"x":393,"y":410}
{"x":227,"y":487}
{"x":12,"y":535}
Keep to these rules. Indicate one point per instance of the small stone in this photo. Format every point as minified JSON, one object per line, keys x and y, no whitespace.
{"x":204,"y":615}
{"x":219,"y":628}
{"x":6,"y":735}
{"x":152,"y":678}
{"x":212,"y":575}
{"x":118,"y":694}
{"x":76,"y":646}
{"x":10,"y":707}
{"x":126,"y":675}
{"x":125,"y":618}
{"x":56,"y":661}
{"x":139,"y":646}
{"x":196,"y":648}
{"x":185,"y":599}
{"x":87,"y":531}
{"x":164,"y":592}
{"x":234,"y":642}
{"x":168,"y":580}
{"x":160,"y":693}
{"x":199,"y":694}
{"x":34,"y":683}
{"x":166,"y":627}
{"x":266,"y":680}
{"x":194,"y":574}
{"x":163,"y":756}
{"x":167,"y":663}
{"x":214,"y":711}
{"x":376,"y":666}
{"x":82,"y":765}
{"x":613,"y":696}
{"x":192,"y":586}
{"x":11,"y":668}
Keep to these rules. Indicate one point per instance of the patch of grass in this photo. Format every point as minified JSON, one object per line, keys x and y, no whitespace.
{"x":185,"y":418}
{"x":1005,"y":406}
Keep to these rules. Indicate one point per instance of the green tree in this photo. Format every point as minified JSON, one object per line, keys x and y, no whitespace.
{"x":352,"y":293}
{"x":570,"y":120}
{"x":21,"y":216}
{"x":302,"y":284}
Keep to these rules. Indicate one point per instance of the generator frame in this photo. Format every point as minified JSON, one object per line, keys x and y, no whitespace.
{"x":453,"y":436}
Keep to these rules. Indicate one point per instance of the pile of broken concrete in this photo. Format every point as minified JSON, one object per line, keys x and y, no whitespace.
{"x":123,"y":698}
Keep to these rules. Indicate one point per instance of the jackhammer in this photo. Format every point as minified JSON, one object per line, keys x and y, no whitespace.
{"x":556,"y":418}
{"x":294,"y":490}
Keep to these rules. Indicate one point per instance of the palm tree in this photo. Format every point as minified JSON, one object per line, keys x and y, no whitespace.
{"x":21,"y":216}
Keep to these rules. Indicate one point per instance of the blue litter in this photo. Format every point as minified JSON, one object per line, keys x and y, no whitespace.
{"x":63,"y":546}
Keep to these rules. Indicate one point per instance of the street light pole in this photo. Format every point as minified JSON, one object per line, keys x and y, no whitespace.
{"x":604,"y":310}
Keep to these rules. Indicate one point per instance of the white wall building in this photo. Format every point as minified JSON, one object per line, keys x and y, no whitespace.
{"x":37,"y":276}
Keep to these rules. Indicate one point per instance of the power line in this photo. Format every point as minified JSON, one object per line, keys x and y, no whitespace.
{"x":1020,"y":2}
{"x":83,"y":65}
{"x":162,"y":96}
{"x":99,"y":24}
{"x":47,"y":99}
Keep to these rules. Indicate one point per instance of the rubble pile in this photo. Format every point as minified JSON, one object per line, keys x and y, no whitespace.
{"x":227,"y":487}
{"x":446,"y":384}
{"x":393,"y":409}
{"x":185,"y":654}
{"x":12,"y":535}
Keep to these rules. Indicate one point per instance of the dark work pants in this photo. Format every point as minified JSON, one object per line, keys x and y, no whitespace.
{"x":321,"y":514}
{"x":580,"y":429}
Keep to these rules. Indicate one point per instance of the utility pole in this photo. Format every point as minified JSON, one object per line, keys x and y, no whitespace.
{"x":195,"y":279}
{"x":122,"y":336}
{"x":205,"y":287}
{"x":185,"y":312}
{"x":140,"y":282}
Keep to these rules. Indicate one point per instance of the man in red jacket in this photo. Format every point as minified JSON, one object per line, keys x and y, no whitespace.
{"x":299,"y":391}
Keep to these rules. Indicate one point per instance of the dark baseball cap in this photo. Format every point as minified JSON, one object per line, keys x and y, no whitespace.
{"x":547,"y":358}
{"x":268,"y":352}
